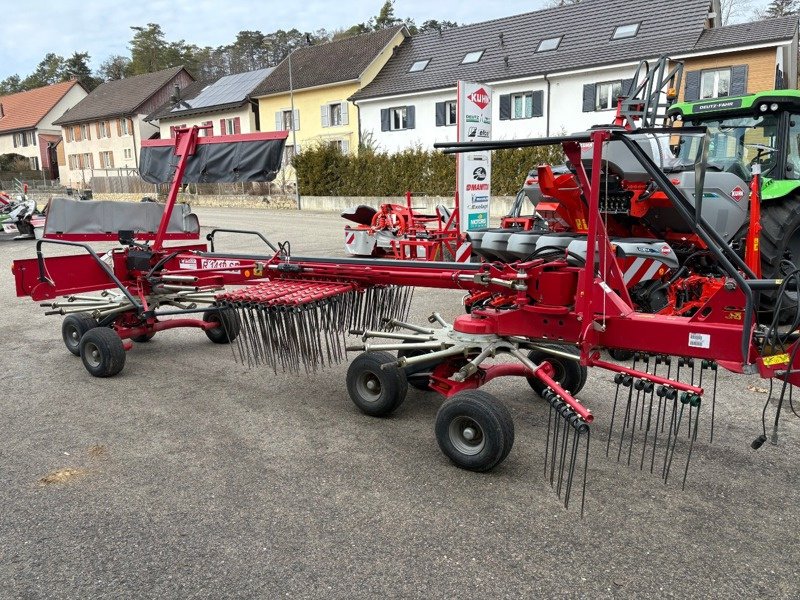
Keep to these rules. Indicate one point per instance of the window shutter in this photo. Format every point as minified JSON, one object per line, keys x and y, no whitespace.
{"x":172,"y":131}
{"x":97,"y":129}
{"x":410,"y":117}
{"x":505,"y":107}
{"x":345,"y":147}
{"x":119,"y":127}
{"x":739,"y":80}
{"x":345,"y":115}
{"x":538,"y":103}
{"x":222,"y":129}
{"x":78,"y":137}
{"x":323,"y":114}
{"x":296,"y":120}
{"x":589,"y":97}
{"x":110,"y":160}
{"x":237,"y":126}
{"x":441,"y":111}
{"x":692,"y":90}
{"x":385,"y":120}
{"x":278,"y":121}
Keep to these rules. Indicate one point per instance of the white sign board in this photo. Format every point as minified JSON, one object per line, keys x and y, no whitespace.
{"x":474,"y":174}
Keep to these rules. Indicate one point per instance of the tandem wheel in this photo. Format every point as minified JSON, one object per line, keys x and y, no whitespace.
{"x":102,"y":352}
{"x":474,"y":430}
{"x":375,"y":384}
{"x":72,"y":329}
{"x":228,"y":327}
{"x":569,"y":374}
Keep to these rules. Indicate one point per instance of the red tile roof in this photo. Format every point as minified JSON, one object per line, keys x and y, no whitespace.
{"x":24,"y":110}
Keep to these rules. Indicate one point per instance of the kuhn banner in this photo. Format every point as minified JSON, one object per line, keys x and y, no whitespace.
{"x":474,"y":111}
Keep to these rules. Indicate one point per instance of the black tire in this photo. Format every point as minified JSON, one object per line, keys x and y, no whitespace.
{"x":474,"y":430}
{"x":102,"y":352}
{"x":143,"y":339}
{"x":72,"y":329}
{"x":569,"y":374}
{"x":418,"y":377}
{"x":621,"y":355}
{"x":228,"y":327}
{"x":780,"y":240}
{"x":376,"y":391}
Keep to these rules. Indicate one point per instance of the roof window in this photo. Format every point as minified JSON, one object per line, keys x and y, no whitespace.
{"x":625,"y":31}
{"x":419,"y":66}
{"x":472,"y":57}
{"x":549,"y":44}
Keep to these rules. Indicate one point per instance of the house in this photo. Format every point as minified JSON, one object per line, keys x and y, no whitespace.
{"x":224,"y":105}
{"x":103,"y":132}
{"x":27,"y":123}
{"x":561,"y":69}
{"x":317,"y":81}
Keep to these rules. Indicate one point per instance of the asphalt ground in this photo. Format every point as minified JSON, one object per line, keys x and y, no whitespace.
{"x":196,"y":478}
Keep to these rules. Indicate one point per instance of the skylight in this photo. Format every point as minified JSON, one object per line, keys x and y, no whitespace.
{"x":472,"y":57}
{"x":625,"y":31}
{"x":419,"y":66}
{"x":549,"y":44}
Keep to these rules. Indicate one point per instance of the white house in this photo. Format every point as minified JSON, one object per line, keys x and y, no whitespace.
{"x":560,"y":70}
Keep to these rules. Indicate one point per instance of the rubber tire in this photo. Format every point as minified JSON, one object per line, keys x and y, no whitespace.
{"x":143,"y":339}
{"x":411,"y":375}
{"x":229,"y":327}
{"x":76,"y":325}
{"x":392,"y":382}
{"x":110,"y":352}
{"x":570,"y":374}
{"x":494,"y":420}
{"x":780,"y":221}
{"x":621,"y":355}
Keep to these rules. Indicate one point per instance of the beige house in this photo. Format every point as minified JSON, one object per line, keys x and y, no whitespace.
{"x":103,"y":133}
{"x":27,"y":123}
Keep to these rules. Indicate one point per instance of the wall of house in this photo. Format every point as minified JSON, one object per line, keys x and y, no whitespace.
{"x":75,"y":94}
{"x":247,"y":121}
{"x":760,"y":67}
{"x":308,"y":103}
{"x":29,"y":151}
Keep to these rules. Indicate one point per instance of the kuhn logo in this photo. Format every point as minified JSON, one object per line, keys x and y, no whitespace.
{"x":479,"y":98}
{"x":737,"y":193}
{"x":665,"y":250}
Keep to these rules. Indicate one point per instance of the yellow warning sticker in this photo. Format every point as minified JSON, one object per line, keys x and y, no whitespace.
{"x":777,"y":359}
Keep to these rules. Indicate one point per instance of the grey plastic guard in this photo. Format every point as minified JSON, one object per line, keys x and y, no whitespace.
{"x":103,"y":216}
{"x":229,"y":162}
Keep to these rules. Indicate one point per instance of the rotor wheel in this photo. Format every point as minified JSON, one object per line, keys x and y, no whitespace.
{"x":102,"y":352}
{"x":779,"y":241}
{"x":72,"y":329}
{"x":474,"y":430}
{"x":228,"y":325}
{"x":375,"y":384}
{"x":569,"y":374}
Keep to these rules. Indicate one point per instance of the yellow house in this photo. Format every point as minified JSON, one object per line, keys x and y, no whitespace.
{"x":323,"y":77}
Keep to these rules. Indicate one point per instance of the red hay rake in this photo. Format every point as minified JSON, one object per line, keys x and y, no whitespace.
{"x":294,"y":314}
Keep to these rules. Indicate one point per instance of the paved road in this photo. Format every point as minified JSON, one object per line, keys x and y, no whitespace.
{"x":198,"y":478}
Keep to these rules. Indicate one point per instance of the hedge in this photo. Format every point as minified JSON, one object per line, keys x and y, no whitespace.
{"x":324,"y":171}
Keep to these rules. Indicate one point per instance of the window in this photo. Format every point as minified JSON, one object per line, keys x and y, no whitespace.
{"x":87,"y":162}
{"x":19,"y":140}
{"x":127,"y":153}
{"x":472,"y":57}
{"x":229,"y":128}
{"x":105,"y":129}
{"x":85,"y":132}
{"x":107,"y":160}
{"x":625,"y":31}
{"x":342,"y":145}
{"x":207,"y":132}
{"x":124,"y":126}
{"x":73,"y":161}
{"x":398,"y":118}
{"x":715,"y":84}
{"x":549,"y":44}
{"x":31,"y":135}
{"x":334,"y":114}
{"x":419,"y":66}
{"x":69,"y":134}
{"x":522,"y":105}
{"x":606,"y":95}
{"x":34,"y":163}
{"x":283,"y":120}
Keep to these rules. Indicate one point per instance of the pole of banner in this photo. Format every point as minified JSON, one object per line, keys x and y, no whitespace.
{"x":294,"y":135}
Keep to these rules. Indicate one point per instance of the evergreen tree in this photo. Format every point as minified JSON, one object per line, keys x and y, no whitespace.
{"x":77,"y":67}
{"x":781,"y":8}
{"x":10,"y":85}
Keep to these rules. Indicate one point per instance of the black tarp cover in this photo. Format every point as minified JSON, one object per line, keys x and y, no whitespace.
{"x":227,"y":162}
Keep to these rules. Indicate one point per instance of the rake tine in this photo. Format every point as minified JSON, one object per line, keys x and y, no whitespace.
{"x":547,"y":437}
{"x":661,"y":393}
{"x":556,"y":430}
{"x":675,"y":441}
{"x":619,"y":379}
{"x":672,"y":395}
{"x":668,"y":360}
{"x":639,"y":387}
{"x":649,"y":387}
{"x":625,"y":421}
{"x":588,"y":432}
{"x":713,"y":366}
{"x":563,"y":453}
{"x":573,"y":459}
{"x":646,"y":370}
{"x":691,"y":442}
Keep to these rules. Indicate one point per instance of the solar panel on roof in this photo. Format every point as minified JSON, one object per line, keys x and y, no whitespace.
{"x":231,"y":88}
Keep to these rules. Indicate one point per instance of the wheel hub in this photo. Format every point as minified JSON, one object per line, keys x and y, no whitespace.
{"x":466,"y":435}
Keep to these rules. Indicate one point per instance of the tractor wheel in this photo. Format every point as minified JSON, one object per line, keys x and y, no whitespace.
{"x":569,"y":374}
{"x":376,"y":386}
{"x":102,"y":352}
{"x":780,"y":240}
{"x":72,"y":329}
{"x":228,"y":325}
{"x":475,"y":430}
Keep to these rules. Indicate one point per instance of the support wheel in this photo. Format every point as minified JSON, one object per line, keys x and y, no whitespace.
{"x":143,"y":339}
{"x":228,"y":325}
{"x":102,"y":352}
{"x":475,"y":430}
{"x":621,"y":355}
{"x":418,"y":377}
{"x":72,"y":329}
{"x":569,"y":374}
{"x":374,"y":390}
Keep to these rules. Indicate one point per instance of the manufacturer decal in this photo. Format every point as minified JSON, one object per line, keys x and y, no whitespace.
{"x":187,"y":263}
{"x":777,"y":359}
{"x":666,"y":250}
{"x":479,"y":98}
{"x":219,"y":263}
{"x":479,"y":174}
{"x":699,"y":340}
{"x":477,"y":187}
{"x":711,"y":106}
{"x":478,"y":220}
{"x":737,"y":193}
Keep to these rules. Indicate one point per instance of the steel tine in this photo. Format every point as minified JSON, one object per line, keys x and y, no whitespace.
{"x":673,"y":414}
{"x":675,"y":441}
{"x":647,"y":358}
{"x":640,"y":387}
{"x":556,"y":429}
{"x":619,"y":378}
{"x":714,"y":367}
{"x":588,"y":432}
{"x":691,"y":443}
{"x":563,"y":453}
{"x":572,"y":460}
{"x":649,"y":420}
{"x":661,"y":393}
{"x":625,"y":421}
{"x":547,"y":437}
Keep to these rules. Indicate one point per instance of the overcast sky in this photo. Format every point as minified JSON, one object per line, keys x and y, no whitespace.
{"x":102,"y":27}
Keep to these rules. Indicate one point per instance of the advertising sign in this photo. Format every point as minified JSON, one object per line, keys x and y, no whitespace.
{"x":474,"y":174}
